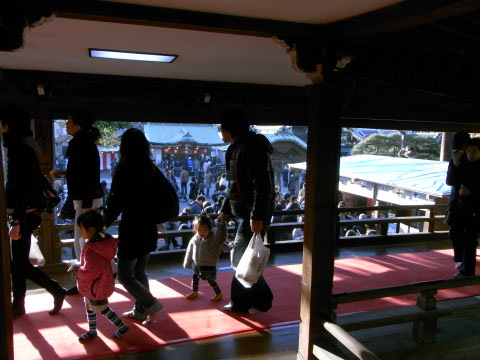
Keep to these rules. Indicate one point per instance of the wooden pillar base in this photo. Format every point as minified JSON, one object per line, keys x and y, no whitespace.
{"x":425,"y":329}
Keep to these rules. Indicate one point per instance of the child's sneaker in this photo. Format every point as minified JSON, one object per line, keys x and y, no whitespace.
{"x":192,"y":295}
{"x":217,"y":297}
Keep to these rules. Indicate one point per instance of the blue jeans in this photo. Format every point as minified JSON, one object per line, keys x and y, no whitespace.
{"x":21,"y":267}
{"x":132,"y":274}
{"x":184,"y":187}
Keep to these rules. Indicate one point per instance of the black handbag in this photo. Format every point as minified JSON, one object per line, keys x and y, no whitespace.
{"x":68,"y":210}
{"x":50,"y":198}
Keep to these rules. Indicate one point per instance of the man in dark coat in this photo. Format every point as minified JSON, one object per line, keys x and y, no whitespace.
{"x":251,"y":199}
{"x":456,"y":168}
{"x":469,"y":208}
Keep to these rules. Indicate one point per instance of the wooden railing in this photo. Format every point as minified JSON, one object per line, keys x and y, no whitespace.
{"x":51,"y":242}
{"x":432,"y":219}
{"x":187,"y":232}
{"x":424,"y":314}
{"x":352,"y":344}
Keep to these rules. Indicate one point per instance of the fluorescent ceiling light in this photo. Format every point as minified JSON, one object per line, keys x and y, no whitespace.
{"x":124,"y":55}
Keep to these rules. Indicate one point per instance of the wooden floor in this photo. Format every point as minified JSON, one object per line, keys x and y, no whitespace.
{"x":457,"y":338}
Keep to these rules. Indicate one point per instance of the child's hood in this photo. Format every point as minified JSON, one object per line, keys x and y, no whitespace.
{"x":106,"y":248}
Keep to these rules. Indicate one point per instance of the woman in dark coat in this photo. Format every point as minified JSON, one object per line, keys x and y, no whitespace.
{"x":24,"y":205}
{"x":131,"y":195}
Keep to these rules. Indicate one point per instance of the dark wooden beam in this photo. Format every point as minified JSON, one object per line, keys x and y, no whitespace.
{"x":404,"y":15}
{"x":430,"y":38}
{"x":169,"y":17}
{"x":389,"y":105}
{"x":472,"y":37}
{"x":123,"y":98}
{"x":6,"y":325}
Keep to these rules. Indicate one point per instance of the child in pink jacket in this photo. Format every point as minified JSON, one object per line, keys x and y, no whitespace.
{"x":94,"y":275}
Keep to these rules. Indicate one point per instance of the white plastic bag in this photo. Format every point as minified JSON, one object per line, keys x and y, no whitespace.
{"x":253,"y":262}
{"x":35,"y":256}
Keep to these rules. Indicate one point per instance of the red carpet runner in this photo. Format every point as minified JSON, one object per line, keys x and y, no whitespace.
{"x":40,"y":336}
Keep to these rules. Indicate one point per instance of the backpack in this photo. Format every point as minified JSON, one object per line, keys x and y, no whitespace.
{"x":164,"y":198}
{"x":48,"y":197}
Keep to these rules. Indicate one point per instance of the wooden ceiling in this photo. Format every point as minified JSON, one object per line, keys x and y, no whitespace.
{"x":411,"y":47}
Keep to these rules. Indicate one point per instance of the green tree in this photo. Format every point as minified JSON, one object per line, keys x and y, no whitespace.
{"x":109,"y":131}
{"x":390,"y":145}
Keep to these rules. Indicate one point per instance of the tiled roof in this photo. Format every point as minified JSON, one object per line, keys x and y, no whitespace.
{"x":360,"y":133}
{"x":171,"y":134}
{"x":284,"y":134}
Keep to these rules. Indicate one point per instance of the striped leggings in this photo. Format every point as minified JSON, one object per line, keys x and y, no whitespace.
{"x":213,"y":284}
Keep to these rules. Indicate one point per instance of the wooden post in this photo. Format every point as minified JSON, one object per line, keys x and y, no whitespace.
{"x":446,"y":146}
{"x":6,"y":325}
{"x":425,"y":329}
{"x":45,"y":139}
{"x":429,"y":226}
{"x":323,"y":154}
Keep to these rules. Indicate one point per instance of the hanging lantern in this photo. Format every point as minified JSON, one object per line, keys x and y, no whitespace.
{"x":175,"y":151}
{"x":205,"y":150}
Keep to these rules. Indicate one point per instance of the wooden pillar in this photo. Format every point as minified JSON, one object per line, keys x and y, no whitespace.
{"x":446,"y":146}
{"x":323,"y":157}
{"x":45,"y":139}
{"x":6,"y":325}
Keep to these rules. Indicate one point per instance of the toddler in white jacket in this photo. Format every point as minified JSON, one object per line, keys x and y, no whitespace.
{"x":202,"y":254}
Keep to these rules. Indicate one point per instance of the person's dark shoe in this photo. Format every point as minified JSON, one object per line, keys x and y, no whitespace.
{"x":461,"y":275}
{"x":72,"y":291}
{"x":459,"y":265}
{"x":135,"y":315}
{"x":57,"y":303}
{"x":153,"y":311}
{"x":18,"y":307}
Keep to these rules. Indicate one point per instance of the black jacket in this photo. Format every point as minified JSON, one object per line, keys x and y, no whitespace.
{"x":470,"y":205}
{"x":454,"y":177}
{"x":131,"y":195}
{"x":83,"y":170}
{"x":468,"y":175}
{"x":251,"y":193}
{"x":23,"y":187}
{"x":452,"y":216}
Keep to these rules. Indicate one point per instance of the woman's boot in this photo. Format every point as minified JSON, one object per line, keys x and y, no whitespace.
{"x":18,"y":306}
{"x":58,"y":298}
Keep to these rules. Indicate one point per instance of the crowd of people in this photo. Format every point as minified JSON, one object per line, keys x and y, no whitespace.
{"x":196,"y":176}
{"x":200,"y":205}
{"x":245,"y":196}
{"x":355,"y":230}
